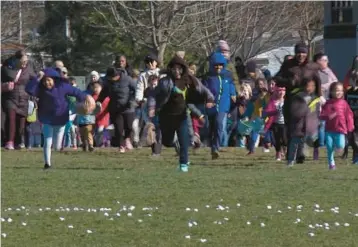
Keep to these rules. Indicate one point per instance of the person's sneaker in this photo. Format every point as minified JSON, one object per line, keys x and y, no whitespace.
{"x":135,"y":144}
{"x":183,"y":167}
{"x":21,"y":146}
{"x":300,"y":160}
{"x":278,"y":156}
{"x":74,"y":148}
{"x":47,"y":166}
{"x":290,"y":163}
{"x":332,"y":167}
{"x":214,"y":155}
{"x":122,"y":149}
{"x":9,"y":146}
{"x":315,"y":153}
{"x":250,"y":153}
{"x":128,"y":144}
{"x":91,"y":148}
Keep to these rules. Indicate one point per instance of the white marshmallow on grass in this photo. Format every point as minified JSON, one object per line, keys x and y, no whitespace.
{"x":311,"y":234}
{"x":248,"y":223}
{"x":40,"y":209}
{"x":196,"y":210}
{"x":356,"y":215}
{"x":149,"y":215}
{"x":207,"y":206}
{"x":129,"y":214}
{"x":227,"y":219}
{"x":24,"y":223}
{"x":111,"y":219}
{"x":22,"y":207}
{"x":269,"y":207}
{"x":70,"y":226}
{"x":346,"y":224}
{"x":187,"y":236}
{"x":140,"y":221}
{"x":118,"y":214}
{"x":311,"y":226}
{"x":336,"y":224}
{"x":316,"y":206}
{"x":289,"y":207}
{"x":188,"y":209}
{"x":203,"y":240}
{"x":131,"y":208}
{"x":2,"y":219}
{"x":262,"y":224}
{"x":3,"y":235}
{"x":190,"y":224}
{"x":106,"y":214}
{"x":279,"y":211}
{"x":89,"y":231}
{"x":238,"y":204}
{"x":62,"y":218}
{"x":9,"y":220}
{"x":18,"y":209}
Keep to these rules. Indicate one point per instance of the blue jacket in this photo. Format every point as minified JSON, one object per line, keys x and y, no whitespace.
{"x":53,"y":107}
{"x":220,"y":85}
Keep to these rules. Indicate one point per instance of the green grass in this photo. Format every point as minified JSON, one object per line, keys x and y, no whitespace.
{"x":100,"y":179}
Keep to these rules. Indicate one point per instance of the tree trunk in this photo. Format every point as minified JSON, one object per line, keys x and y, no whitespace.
{"x":161,"y":53}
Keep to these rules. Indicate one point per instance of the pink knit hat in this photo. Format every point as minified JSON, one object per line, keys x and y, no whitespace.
{"x":223,"y":46}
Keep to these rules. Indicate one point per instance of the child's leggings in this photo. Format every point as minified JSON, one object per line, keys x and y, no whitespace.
{"x":334,"y":140}
{"x":52,"y":132}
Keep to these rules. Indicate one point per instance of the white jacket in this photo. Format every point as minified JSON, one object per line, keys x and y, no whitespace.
{"x":142,"y":83}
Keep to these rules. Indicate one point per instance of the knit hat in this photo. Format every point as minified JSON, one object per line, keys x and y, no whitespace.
{"x":180,"y":54}
{"x":301,"y":48}
{"x":251,"y":66}
{"x":223,"y":46}
{"x":95,"y":74}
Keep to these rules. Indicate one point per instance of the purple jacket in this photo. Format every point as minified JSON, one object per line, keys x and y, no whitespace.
{"x":53,"y":107}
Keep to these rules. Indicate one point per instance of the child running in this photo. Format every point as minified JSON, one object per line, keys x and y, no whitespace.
{"x":221,"y":85}
{"x":172,"y":95}
{"x":339,"y":121}
{"x":53,"y":107}
{"x":276,"y":121}
{"x":304,"y":117}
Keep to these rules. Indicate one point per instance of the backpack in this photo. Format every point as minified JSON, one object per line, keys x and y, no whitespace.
{"x":32,"y":112}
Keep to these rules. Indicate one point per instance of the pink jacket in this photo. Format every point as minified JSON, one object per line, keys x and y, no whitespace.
{"x":343,"y":122}
{"x":271,"y":112}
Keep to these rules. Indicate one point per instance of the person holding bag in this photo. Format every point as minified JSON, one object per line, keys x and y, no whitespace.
{"x":15,"y":74}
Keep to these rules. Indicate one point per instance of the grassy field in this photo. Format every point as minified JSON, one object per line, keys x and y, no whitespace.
{"x":222,"y":195}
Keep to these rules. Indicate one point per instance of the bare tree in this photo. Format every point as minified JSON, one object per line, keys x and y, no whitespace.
{"x":309,"y":22}
{"x":18,"y":18}
{"x":249,"y":27}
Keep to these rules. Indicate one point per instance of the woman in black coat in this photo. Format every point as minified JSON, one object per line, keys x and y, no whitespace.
{"x":15,"y":74}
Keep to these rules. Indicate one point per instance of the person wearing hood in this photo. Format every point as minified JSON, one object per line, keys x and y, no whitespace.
{"x":151,"y":63}
{"x":120,"y":89}
{"x":53,"y":107}
{"x":224,"y":49}
{"x":221,"y":85}
{"x":15,"y":74}
{"x":94,"y":77}
{"x":121,"y":63}
{"x":171,"y":98}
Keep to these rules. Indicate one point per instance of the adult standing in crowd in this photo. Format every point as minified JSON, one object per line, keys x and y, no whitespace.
{"x":121,"y":62}
{"x":290,"y":77}
{"x":327,"y":78}
{"x":151,"y":64}
{"x":15,"y":74}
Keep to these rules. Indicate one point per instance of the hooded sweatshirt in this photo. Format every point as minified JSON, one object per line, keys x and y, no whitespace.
{"x":53,"y":106}
{"x":220,"y":85}
{"x":343,"y":122}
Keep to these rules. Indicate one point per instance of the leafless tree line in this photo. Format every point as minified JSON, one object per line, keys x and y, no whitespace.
{"x":249,"y":27}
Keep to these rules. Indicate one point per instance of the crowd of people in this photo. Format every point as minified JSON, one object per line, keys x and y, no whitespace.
{"x":240,"y":106}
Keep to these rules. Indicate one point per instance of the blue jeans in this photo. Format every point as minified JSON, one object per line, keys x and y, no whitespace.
{"x":253,"y":138}
{"x":216,"y":129}
{"x":321,"y":133}
{"x":176,"y":124}
{"x":224,"y":137}
{"x":334,"y":141}
{"x":295,"y":143}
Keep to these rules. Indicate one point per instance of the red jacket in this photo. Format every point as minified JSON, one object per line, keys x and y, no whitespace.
{"x":102,"y":118}
{"x":343,"y":122}
{"x":270,"y":112}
